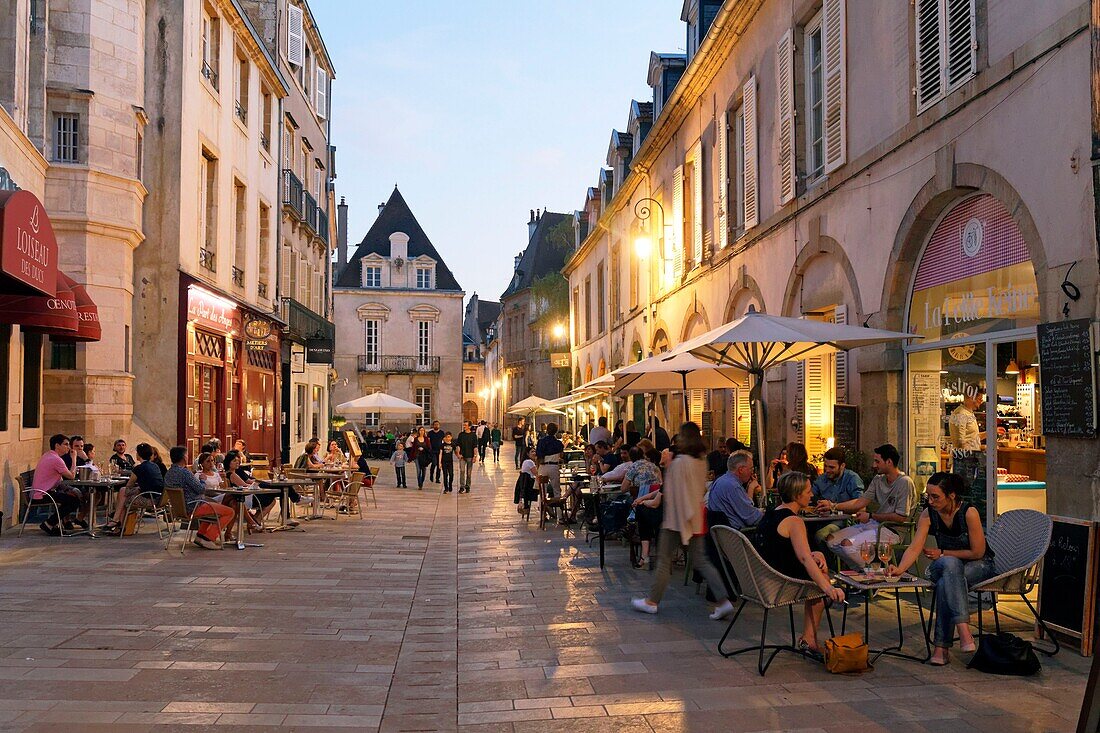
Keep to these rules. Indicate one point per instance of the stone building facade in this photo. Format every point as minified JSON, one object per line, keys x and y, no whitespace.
{"x":478,"y":325}
{"x":398,"y":314}
{"x":867,"y":163}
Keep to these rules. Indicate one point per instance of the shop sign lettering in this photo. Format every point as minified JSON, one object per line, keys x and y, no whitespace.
{"x":971,"y":306}
{"x":211,"y":311}
{"x":29,"y":247}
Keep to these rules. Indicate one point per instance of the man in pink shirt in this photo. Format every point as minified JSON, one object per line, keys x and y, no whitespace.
{"x":48,"y":475}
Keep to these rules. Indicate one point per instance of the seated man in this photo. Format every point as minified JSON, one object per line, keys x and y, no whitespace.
{"x":895,"y":494}
{"x":76,"y":455}
{"x":48,"y":475}
{"x":729,"y":496}
{"x":606,"y":458}
{"x":308,"y":459}
{"x":145,"y":478}
{"x":194,"y":493}
{"x":836,"y":485}
{"x":122,"y":460}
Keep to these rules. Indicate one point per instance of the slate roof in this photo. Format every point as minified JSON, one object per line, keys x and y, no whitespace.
{"x":396,"y":216}
{"x":539,"y":259}
{"x":487,"y":312}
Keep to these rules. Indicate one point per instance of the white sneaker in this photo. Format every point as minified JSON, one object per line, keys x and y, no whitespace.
{"x":640,"y":604}
{"x":207,"y":544}
{"x":722,"y":610}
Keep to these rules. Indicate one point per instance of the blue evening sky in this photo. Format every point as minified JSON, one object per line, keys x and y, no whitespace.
{"x":481,"y":110}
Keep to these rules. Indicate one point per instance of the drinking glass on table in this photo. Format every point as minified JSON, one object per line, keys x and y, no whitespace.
{"x":885,"y":554}
{"x":867,"y":553}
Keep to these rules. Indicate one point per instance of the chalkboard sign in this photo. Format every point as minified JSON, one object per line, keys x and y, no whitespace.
{"x":846,"y":426}
{"x":1067,"y":373}
{"x":1066,"y":592}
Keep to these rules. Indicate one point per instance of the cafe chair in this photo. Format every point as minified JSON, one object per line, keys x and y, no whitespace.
{"x":547,"y":503}
{"x":369,"y":481}
{"x":186,"y":521}
{"x":345,"y":494}
{"x":761,"y":586}
{"x":1019,"y":538}
{"x":159,"y":510}
{"x":24,"y":480}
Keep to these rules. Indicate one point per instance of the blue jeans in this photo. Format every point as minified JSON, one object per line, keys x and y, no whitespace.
{"x":953,"y":578}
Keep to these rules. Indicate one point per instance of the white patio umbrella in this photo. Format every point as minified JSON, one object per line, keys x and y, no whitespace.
{"x":382,"y":403}
{"x":757,"y":341}
{"x":533,"y":405}
{"x":598,"y":385}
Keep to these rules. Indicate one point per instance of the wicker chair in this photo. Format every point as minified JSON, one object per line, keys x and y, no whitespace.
{"x":1019,"y":539}
{"x":761,"y":586}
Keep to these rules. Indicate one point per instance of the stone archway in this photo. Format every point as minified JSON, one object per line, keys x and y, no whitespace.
{"x":469,"y":411}
{"x":744,"y":291}
{"x":824,"y":267}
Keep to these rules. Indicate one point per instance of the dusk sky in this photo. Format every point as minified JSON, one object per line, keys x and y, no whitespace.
{"x":483,"y":110}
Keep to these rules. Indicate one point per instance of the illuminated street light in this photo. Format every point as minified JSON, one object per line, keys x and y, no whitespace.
{"x":643,"y":246}
{"x":558,"y":331}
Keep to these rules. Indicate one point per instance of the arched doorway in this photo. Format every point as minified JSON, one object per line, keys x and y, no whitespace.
{"x":469,"y":411}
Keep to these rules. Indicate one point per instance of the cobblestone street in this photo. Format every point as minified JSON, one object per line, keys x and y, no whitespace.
{"x":434,"y":613}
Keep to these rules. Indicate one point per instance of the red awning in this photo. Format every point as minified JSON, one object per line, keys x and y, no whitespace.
{"x":56,"y":316}
{"x":87,"y":313}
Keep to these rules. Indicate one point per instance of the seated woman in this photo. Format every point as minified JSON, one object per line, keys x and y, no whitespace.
{"x":194,"y":494}
{"x":309,"y":460}
{"x":236,"y":476}
{"x":145,"y":478}
{"x":334,"y":456}
{"x":785,"y":545}
{"x":960,"y":559}
{"x":648,"y":513}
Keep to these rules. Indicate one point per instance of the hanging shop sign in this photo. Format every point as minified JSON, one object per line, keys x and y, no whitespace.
{"x":257,"y":333}
{"x":28,"y":247}
{"x":320,"y":350}
{"x":559,"y":361}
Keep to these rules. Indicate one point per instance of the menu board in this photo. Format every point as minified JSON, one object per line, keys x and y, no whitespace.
{"x":1067,"y":373}
{"x":925,"y":407}
{"x":1066,"y":591}
{"x":846,"y":426}
{"x":354,"y":451}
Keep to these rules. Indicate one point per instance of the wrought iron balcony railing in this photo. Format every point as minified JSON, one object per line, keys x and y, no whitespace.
{"x":238,"y":277}
{"x":309,"y":212}
{"x":210,"y":74}
{"x":322,"y":224}
{"x":207,"y":259}
{"x":292,"y":192}
{"x":399,"y":364}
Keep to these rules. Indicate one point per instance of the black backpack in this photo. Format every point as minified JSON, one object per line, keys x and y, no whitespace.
{"x":1005,"y":654}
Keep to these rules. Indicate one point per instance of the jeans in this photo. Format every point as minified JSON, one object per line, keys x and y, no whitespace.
{"x":496,"y":451}
{"x":521,"y":449}
{"x":421,"y":472}
{"x":953,"y":578}
{"x":668,"y":543}
{"x":467,"y":468}
{"x":400,"y":471}
{"x":481,"y":450}
{"x":433,"y":472}
{"x":67,"y":501}
{"x":448,"y":471}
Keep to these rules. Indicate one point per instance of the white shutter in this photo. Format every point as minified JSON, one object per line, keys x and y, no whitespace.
{"x":834,"y":41}
{"x":286,"y":273}
{"x":784,"y":65}
{"x":723,"y":181}
{"x":697,"y":205}
{"x":743,"y":415}
{"x":322,"y":92}
{"x":962,"y":45}
{"x":929,"y":52}
{"x":800,"y":400}
{"x":817,"y":422}
{"x":841,"y":318}
{"x":678,"y":223}
{"x":750,"y":184}
{"x":295,"y":42}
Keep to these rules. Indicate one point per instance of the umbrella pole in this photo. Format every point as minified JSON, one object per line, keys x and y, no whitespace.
{"x":758,"y":410}
{"x":684,"y":379}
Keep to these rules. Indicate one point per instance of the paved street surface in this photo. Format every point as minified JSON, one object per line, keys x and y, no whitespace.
{"x":434,"y":613}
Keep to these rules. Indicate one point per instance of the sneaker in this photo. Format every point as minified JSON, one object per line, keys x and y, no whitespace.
{"x":206,"y":544}
{"x":51,"y":531}
{"x":725,"y":608}
{"x":640,"y":604}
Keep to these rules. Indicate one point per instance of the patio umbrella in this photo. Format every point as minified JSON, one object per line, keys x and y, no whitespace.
{"x":757,"y":341}
{"x":596,"y":386}
{"x":381,"y":402}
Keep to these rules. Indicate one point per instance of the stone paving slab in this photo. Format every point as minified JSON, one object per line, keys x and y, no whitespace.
{"x":440,"y":613}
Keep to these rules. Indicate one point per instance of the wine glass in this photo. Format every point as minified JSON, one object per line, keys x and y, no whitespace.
{"x":885,"y":555}
{"x":867,"y":553}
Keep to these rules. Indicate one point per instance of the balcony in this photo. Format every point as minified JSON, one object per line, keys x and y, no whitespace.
{"x":238,"y":277}
{"x":399,"y":364}
{"x":241,"y":112}
{"x":292,"y":192}
{"x":309,"y":212}
{"x":261,"y":289}
{"x":210,"y":74}
{"x":303,"y":323}
{"x":322,"y":224}
{"x":208,"y":260}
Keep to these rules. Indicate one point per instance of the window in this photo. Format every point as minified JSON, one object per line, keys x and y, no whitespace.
{"x":693,"y":205}
{"x":423,"y":344}
{"x":601,"y":309}
{"x":750,"y":180}
{"x":66,"y":138}
{"x":468,"y":385}
{"x":424,"y":278}
{"x":32,"y":380}
{"x":211,"y":42}
{"x":265,"y":123}
{"x":372,"y":276}
{"x":62,"y":355}
{"x":616,"y":278}
{"x":815,"y":100}
{"x":240,"y":87}
{"x":372,"y":344}
{"x":208,"y":211}
{"x":264,"y":269}
{"x":300,"y":414}
{"x":318,"y":400}
{"x":946,"y":46}
{"x":240,"y":232}
{"x":423,"y":400}
{"x":588,"y":308}
{"x":139,"y":156}
{"x":737,"y":193}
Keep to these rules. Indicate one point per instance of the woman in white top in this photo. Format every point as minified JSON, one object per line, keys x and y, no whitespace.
{"x":335,"y":457}
{"x":530,"y":471}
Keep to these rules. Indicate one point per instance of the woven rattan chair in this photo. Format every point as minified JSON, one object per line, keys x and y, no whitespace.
{"x":1019,"y":539}
{"x":761,"y":586}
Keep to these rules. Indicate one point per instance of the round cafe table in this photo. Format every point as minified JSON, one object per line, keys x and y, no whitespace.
{"x":285,"y":485}
{"x":322,"y":479}
{"x":94,"y":487}
{"x":241,"y":493}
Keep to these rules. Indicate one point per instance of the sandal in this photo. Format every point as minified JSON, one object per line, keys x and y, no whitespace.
{"x":809,"y":651}
{"x":113,"y":530}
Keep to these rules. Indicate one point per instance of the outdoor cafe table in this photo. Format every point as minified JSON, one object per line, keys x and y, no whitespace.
{"x":241,"y":493}
{"x":94,"y":486}
{"x":869,"y":586}
{"x":321,"y":479}
{"x":825,"y":518}
{"x":596,"y":495}
{"x":285,"y":485}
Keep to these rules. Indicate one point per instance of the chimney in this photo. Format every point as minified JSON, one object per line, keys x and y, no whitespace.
{"x":381,"y":206}
{"x":532,"y":224}
{"x":517,"y":261}
{"x":341,"y":235}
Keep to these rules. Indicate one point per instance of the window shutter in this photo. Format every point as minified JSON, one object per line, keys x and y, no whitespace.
{"x":697,"y":205}
{"x":817,"y":423}
{"x":784,"y":65}
{"x":929,"y":64}
{"x":286,"y":273}
{"x":750,"y":184}
{"x":841,"y":318}
{"x":834,"y":40}
{"x":696,"y":403}
{"x":678,"y":223}
{"x":722,"y":153}
{"x":743,"y":425}
{"x":800,"y":399}
{"x":295,"y":44}
{"x":322,"y":93}
{"x":962,"y":46}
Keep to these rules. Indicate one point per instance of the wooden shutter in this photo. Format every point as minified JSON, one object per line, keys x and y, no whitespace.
{"x":834,"y":40}
{"x":750,"y":184}
{"x":840,"y":317}
{"x":295,"y":42}
{"x":784,"y":65}
{"x":322,"y":93}
{"x":697,"y":204}
{"x":678,"y":223}
{"x":286,"y":273}
{"x":818,"y":420}
{"x":961,"y":45}
{"x":929,"y":64}
{"x":722,"y":152}
{"x":800,"y":399}
{"x":743,"y":415}
{"x":696,"y":405}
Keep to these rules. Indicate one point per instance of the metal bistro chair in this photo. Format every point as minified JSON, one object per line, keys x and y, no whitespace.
{"x":1019,"y":538}
{"x":345,"y":494}
{"x":177,"y":508}
{"x":160,"y":511}
{"x":24,"y":480}
{"x":369,"y":482}
{"x":761,"y":586}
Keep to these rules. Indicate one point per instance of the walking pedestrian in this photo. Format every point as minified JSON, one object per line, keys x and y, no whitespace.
{"x":483,"y":436}
{"x":495,"y":440}
{"x":423,"y":456}
{"x":435,"y":438}
{"x":466,"y":447}
{"x":399,"y":458}
{"x":447,"y":462}
{"x":519,"y":438}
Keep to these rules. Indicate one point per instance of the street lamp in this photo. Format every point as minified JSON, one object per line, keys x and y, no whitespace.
{"x":643,"y":248}
{"x":558,"y":331}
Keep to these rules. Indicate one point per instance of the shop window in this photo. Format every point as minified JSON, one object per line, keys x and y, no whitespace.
{"x":62,"y":355}
{"x":300,"y":413}
{"x":32,"y":380}
{"x":315,"y":408}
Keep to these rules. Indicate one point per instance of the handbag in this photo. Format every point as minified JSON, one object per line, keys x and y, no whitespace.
{"x":1005,"y":654}
{"x":846,"y":654}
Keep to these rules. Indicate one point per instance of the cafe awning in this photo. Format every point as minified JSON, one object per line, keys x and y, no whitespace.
{"x":87,"y":313}
{"x":71,"y":315}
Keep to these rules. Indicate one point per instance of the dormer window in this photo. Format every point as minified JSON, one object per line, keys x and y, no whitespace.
{"x":372,"y":276}
{"x":424,"y":278}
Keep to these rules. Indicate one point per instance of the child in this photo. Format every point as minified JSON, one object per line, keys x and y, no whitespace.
{"x":447,"y":462}
{"x":398,"y":458}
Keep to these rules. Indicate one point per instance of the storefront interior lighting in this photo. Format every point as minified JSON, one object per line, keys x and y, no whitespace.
{"x":226,"y":302}
{"x":1012,"y":369}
